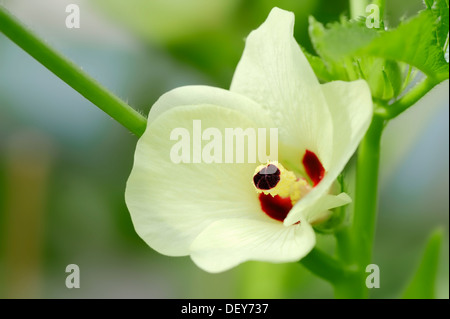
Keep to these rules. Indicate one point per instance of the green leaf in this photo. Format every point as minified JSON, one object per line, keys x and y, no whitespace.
{"x":412,"y":42}
{"x":422,"y":285}
{"x":439,"y":9}
{"x":350,"y":50}
{"x":319,"y":67}
{"x":339,"y":40}
{"x":317,"y":33}
{"x":393,"y":76}
{"x":338,"y":45}
{"x":429,"y":3}
{"x":383,"y":76}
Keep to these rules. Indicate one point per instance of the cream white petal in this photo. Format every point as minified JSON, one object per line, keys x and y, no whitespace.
{"x":351,"y":107}
{"x":171,"y":204}
{"x":274,"y":72}
{"x":202,"y":94}
{"x":319,"y":210}
{"x":227,"y":243}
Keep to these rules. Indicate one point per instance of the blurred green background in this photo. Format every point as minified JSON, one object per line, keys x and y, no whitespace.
{"x":64,"y":163}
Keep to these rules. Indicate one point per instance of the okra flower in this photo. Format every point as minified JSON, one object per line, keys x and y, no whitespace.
{"x":222,"y":213}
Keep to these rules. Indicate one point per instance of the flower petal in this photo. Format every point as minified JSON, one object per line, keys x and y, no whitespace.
{"x":170,"y":204}
{"x":227,"y":243}
{"x":274,"y":72}
{"x":202,"y":94}
{"x":319,"y":210}
{"x":351,"y":107}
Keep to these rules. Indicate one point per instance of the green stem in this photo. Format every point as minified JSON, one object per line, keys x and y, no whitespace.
{"x":355,"y":245}
{"x":343,"y":242}
{"x":358,"y":8}
{"x":324,"y":266}
{"x":70,"y":73}
{"x":409,"y":99}
{"x":366,"y":191}
{"x":361,"y":234}
{"x":381,"y":5}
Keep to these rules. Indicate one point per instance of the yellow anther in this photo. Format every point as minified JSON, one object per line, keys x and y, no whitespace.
{"x":272,"y":178}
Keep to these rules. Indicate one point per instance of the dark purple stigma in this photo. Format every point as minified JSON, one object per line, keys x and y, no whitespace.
{"x":267,"y":178}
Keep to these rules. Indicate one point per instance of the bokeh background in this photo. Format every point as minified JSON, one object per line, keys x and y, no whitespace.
{"x":64,"y":163}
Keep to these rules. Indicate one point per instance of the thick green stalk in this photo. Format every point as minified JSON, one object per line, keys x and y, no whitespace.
{"x":324,"y":266}
{"x":341,"y":274}
{"x":366,"y":191}
{"x":381,"y":5}
{"x":70,"y":73}
{"x":364,"y":219}
{"x":355,"y":245}
{"x":358,"y":8}
{"x":344,"y":244}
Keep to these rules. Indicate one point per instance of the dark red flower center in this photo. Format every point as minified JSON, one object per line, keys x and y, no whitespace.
{"x":313,"y":167}
{"x":275,"y":207}
{"x":278,"y":207}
